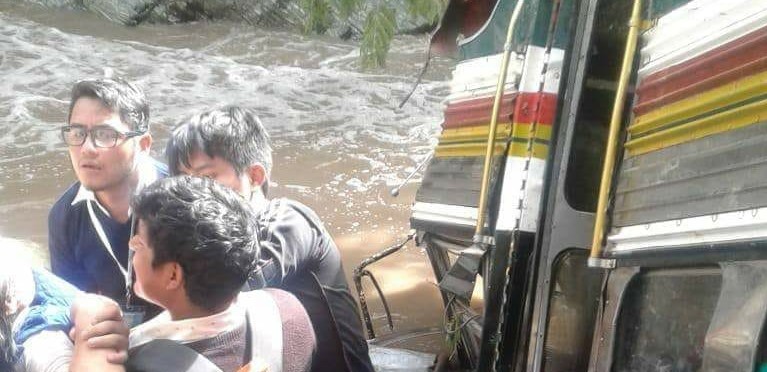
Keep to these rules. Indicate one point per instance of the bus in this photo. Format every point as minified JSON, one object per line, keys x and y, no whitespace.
{"x":602,"y":167}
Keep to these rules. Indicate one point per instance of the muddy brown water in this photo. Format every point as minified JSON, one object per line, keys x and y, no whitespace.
{"x":340,"y":141}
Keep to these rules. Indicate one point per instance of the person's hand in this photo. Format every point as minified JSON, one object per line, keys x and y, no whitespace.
{"x":101,"y":326}
{"x":108,"y":331}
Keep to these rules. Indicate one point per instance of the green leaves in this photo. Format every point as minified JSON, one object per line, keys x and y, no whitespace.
{"x":428,"y":10}
{"x":319,"y":15}
{"x":346,"y":8}
{"x":373,"y":22}
{"x":376,"y":36}
{"x":380,"y":24}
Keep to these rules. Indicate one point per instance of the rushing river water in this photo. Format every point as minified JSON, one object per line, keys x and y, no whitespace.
{"x":340,"y":141}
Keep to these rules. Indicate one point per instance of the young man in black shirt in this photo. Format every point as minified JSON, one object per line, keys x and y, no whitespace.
{"x":230,"y":145}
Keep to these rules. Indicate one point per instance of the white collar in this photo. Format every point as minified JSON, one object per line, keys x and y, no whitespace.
{"x":187,"y":330}
{"x":147,"y":174}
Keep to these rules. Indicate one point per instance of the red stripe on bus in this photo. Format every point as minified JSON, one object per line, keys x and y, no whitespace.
{"x":522,"y":107}
{"x":737,"y":59}
{"x":477,"y":111}
{"x":535,"y":107}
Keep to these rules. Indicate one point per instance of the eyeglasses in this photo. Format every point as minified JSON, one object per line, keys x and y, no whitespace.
{"x":101,"y":136}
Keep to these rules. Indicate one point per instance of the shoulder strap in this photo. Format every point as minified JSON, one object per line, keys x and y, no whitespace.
{"x":264,"y":327}
{"x":166,"y":355}
{"x":251,"y":364}
{"x":248,"y":340}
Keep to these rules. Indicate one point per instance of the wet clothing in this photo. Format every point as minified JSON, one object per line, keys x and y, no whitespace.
{"x":299,"y":256}
{"x":268,"y":329}
{"x":40,"y":330}
{"x":49,"y":309}
{"x":78,"y":253}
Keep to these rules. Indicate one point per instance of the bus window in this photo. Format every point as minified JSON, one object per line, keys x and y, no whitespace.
{"x":664,"y":318}
{"x":572,"y":313}
{"x":595,"y":107}
{"x":733,"y":341}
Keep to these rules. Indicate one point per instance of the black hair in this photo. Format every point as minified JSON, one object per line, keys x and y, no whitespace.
{"x":207,"y":229}
{"x":232,"y":133}
{"x":8,"y":349}
{"x":118,"y":95}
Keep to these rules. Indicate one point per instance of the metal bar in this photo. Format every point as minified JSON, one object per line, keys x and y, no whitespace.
{"x":383,"y":298}
{"x":360,"y":271}
{"x":483,"y":191}
{"x":615,"y":123}
{"x":395,"y":191}
{"x":364,"y":306}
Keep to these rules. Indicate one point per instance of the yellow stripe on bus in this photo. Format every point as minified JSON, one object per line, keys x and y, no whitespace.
{"x":542,"y":132}
{"x":474,"y":133}
{"x":479,"y":133}
{"x":540,"y":150}
{"x":739,"y":117}
{"x":724,"y":95}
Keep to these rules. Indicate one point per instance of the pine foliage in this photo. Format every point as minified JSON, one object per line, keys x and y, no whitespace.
{"x":380,"y":23}
{"x":345,"y":8}
{"x":376,"y":36}
{"x":319,"y":17}
{"x":427,"y":10}
{"x":380,"y":19}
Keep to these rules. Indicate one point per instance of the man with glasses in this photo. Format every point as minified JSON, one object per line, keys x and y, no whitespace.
{"x":107,"y":133}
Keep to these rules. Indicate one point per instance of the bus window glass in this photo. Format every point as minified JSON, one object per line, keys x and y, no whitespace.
{"x":596,"y":101}
{"x":572,"y":312}
{"x":664,"y":318}
{"x":732,"y":341}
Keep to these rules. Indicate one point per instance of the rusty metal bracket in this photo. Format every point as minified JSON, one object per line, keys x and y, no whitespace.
{"x":360,"y":272}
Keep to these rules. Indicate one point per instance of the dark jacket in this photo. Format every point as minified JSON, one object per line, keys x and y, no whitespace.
{"x":299,"y":256}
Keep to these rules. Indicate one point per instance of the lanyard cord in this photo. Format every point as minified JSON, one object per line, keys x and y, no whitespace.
{"x":129,"y":272}
{"x":103,"y":236}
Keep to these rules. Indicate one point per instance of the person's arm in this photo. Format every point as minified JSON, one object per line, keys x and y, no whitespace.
{"x":288,"y":239}
{"x":109,"y":331}
{"x":63,"y":262}
{"x":92,"y":315}
{"x":48,"y":351}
